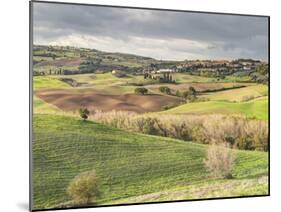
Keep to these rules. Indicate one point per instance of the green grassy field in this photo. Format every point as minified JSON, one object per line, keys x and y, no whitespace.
{"x":40,"y":106}
{"x":107,"y":82}
{"x":46,"y":68}
{"x":41,"y":54}
{"x":212,"y":189}
{"x":129,"y":165}
{"x":257,"y":108}
{"x":42,"y":82}
{"x":241,"y":94}
{"x":236,"y":79}
{"x":97,"y":79}
{"x":183,"y":78}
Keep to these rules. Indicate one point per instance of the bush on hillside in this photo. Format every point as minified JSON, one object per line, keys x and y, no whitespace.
{"x":190,"y":95}
{"x":165,"y":89}
{"x":192,"y":91}
{"x":147,"y":125}
{"x":83,"y":189}
{"x":141,"y":91}
{"x":178,"y":93}
{"x":84,"y":113}
{"x":220,"y":161}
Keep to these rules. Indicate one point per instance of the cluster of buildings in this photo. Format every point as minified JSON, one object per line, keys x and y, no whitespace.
{"x":220,"y":65}
{"x":162,"y":75}
{"x":206,"y":67}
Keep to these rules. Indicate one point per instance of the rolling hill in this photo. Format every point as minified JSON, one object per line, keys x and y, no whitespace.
{"x":130,"y":166}
{"x":71,"y":59}
{"x":48,"y":83}
{"x":257,"y":108}
{"x":241,"y":94}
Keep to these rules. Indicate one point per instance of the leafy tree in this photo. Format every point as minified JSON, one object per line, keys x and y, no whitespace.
{"x":262,"y":69}
{"x":261,"y":74}
{"x":190,"y":94}
{"x":141,"y":91}
{"x":165,"y":89}
{"x":192,"y":91}
{"x":84,"y":113}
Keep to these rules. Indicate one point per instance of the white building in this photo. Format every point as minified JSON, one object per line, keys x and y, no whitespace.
{"x":165,"y":71}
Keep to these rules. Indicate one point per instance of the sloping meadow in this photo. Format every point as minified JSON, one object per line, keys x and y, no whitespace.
{"x":131,"y":167}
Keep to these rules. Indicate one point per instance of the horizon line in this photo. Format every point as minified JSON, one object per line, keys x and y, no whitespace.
{"x":180,"y":60}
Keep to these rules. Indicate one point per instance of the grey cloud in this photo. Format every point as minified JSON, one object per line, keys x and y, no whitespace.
{"x":244,"y":34}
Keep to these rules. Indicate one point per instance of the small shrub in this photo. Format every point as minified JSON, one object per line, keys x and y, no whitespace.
{"x":147,"y":125}
{"x":178,"y":93}
{"x":167,"y":107}
{"x":255,"y":136}
{"x":165,"y":89}
{"x":220,"y":161}
{"x":84,"y":113}
{"x":180,"y":130}
{"x":190,"y":95}
{"x":192,"y":91}
{"x":247,"y":98}
{"x":83,"y":189}
{"x":141,"y":91}
{"x":120,"y":74}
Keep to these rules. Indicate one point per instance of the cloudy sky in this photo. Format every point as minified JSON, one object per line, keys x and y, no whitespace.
{"x":158,"y":34}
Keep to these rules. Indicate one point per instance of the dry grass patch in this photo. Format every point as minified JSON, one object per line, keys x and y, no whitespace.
{"x":235,"y":131}
{"x":220,"y":161}
{"x":83,"y":189}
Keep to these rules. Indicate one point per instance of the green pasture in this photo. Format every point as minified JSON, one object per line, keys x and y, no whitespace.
{"x":257,"y":108}
{"x":241,"y":94}
{"x":44,"y":82}
{"x":127,"y":164}
{"x":40,"y":106}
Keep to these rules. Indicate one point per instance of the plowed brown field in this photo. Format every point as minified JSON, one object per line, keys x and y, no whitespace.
{"x":70,"y":100}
